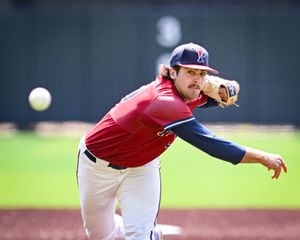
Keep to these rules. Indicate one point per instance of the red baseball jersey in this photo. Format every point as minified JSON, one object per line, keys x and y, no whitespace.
{"x":136,"y":130}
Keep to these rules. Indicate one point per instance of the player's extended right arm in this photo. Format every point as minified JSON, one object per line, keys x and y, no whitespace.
{"x":199,"y":136}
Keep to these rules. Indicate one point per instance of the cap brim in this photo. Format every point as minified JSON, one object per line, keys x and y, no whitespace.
{"x":194,"y":66}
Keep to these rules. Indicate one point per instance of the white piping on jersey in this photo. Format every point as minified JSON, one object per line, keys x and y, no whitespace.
{"x":202,"y":104}
{"x":178,"y":123}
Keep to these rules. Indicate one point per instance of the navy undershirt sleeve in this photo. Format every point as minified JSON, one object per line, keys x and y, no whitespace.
{"x":210,"y":103}
{"x":199,"y":136}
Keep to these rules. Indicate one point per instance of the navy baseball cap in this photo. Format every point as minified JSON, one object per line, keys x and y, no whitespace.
{"x":191,"y":55}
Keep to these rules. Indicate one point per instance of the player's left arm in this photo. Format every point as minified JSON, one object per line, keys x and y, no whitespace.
{"x":224,"y":92}
{"x":216,"y":91}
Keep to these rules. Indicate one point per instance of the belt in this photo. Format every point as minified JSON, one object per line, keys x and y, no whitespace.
{"x":94,"y":159}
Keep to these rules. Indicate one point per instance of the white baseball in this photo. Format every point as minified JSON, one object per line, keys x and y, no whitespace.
{"x":39,"y":99}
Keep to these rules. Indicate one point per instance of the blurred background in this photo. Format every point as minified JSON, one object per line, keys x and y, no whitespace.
{"x":90,"y":53}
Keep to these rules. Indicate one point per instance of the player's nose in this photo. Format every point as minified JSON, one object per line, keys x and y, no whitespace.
{"x":198,"y":79}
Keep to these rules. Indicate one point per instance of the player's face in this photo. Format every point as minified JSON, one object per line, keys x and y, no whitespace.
{"x":189,"y":82}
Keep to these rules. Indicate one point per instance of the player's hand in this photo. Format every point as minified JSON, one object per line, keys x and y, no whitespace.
{"x":270,"y":160}
{"x":276,"y":163}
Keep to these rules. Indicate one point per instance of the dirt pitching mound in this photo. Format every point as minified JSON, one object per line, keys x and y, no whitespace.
{"x":195,"y":224}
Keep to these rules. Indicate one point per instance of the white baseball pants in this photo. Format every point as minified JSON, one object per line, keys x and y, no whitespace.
{"x":137,"y":191}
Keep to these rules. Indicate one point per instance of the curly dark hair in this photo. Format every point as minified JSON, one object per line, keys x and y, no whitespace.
{"x":165,"y":71}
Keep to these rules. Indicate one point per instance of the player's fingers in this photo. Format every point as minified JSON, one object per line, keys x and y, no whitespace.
{"x":279,"y":166}
{"x":277,"y":172}
{"x":276,"y":168}
{"x":274,"y":174}
{"x":283,"y":165}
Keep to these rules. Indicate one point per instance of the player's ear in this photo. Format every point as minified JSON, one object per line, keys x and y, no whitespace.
{"x":173,"y":73}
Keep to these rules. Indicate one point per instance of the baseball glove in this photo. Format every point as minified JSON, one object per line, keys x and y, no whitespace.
{"x":212,"y":86}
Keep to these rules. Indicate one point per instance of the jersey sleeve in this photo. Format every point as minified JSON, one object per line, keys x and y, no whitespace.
{"x":199,"y":136}
{"x":210,"y":103}
{"x":166,"y":111}
{"x":203,"y":101}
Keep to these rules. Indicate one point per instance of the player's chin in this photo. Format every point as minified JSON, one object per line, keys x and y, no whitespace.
{"x":193,"y":93}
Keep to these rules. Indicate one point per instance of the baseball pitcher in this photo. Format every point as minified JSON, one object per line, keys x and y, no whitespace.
{"x":118,"y":159}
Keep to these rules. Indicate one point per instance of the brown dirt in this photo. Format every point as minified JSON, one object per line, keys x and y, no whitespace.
{"x":196,"y":224}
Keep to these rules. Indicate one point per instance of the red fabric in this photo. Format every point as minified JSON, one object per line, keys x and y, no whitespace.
{"x":132,"y":133}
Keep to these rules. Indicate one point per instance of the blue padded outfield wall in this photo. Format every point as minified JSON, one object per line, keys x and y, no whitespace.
{"x":90,"y":56}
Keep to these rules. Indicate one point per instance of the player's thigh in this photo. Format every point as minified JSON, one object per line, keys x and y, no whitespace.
{"x":97,"y":190}
{"x":139,"y":198}
{"x":97,"y":186}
